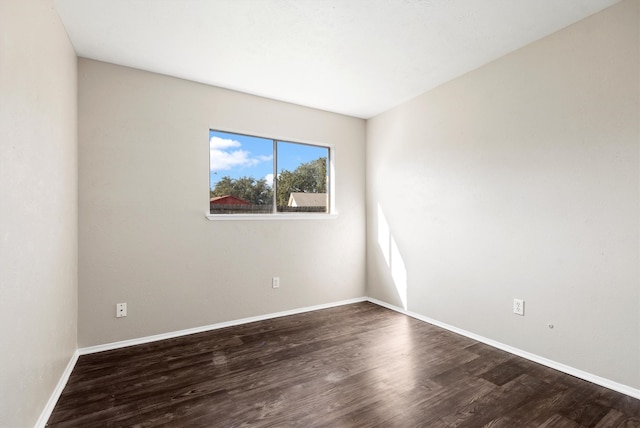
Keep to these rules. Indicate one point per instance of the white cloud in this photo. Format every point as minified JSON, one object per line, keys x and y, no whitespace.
{"x":223,"y":160}
{"x":222,"y":143}
{"x":269,"y":179}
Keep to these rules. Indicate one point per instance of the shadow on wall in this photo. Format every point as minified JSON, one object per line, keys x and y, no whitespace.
{"x":392,"y":256}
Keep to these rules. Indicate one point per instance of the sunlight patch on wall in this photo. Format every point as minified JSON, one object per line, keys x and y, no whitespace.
{"x":384,"y":236}
{"x":392,"y":256}
{"x":399,"y":272}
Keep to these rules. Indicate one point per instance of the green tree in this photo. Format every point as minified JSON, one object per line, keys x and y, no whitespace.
{"x":251,"y":190}
{"x":307,"y":177}
{"x":223,"y":187}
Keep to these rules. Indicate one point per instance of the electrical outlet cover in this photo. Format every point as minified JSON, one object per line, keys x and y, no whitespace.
{"x":518,"y":306}
{"x":121,"y":310}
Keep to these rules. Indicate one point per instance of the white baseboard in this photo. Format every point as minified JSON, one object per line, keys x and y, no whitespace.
{"x":624,"y":389}
{"x":53,"y":399}
{"x":171,"y":335}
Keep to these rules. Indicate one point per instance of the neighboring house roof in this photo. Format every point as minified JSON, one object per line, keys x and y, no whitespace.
{"x":301,"y":199}
{"x":228,"y":200}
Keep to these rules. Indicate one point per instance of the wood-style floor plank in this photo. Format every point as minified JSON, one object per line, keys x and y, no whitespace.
{"x":357,"y":365}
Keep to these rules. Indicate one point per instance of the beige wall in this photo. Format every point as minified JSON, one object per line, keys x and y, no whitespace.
{"x":521,"y":179}
{"x":38,"y":211}
{"x":143,"y":195}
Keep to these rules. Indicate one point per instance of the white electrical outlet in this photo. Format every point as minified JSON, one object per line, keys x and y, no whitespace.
{"x":121,"y":310}
{"x":518,"y":307}
{"x":275,"y":282}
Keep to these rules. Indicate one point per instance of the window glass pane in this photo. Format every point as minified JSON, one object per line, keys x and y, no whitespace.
{"x":302,"y":184}
{"x":240,"y":174}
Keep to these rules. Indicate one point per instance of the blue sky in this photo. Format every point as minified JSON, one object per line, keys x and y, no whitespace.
{"x":239,"y":155}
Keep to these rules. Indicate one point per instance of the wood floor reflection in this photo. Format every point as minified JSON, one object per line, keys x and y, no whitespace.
{"x":357,"y":365}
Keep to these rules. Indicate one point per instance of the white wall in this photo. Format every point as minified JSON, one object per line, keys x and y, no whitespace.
{"x":144,"y":192}
{"x":521,"y":179}
{"x":38,"y":207}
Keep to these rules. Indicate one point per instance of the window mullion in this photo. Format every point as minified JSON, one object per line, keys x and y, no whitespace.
{"x":275,"y":177}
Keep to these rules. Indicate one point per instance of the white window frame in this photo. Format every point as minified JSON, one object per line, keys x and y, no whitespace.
{"x":275,"y":215}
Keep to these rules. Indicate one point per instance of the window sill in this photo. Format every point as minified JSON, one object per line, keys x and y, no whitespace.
{"x":279,"y":216}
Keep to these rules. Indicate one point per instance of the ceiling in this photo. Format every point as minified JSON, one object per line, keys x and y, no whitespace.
{"x":356,"y":57}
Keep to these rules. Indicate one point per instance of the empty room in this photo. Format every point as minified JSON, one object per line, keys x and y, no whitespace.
{"x":320,"y":213}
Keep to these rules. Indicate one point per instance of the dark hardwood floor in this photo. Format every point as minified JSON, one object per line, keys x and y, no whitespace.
{"x":358,"y":365}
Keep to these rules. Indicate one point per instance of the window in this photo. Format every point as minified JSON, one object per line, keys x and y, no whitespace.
{"x":254,"y":175}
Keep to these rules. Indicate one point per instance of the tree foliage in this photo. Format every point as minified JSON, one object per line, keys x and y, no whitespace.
{"x":307,"y":177}
{"x":258,"y":192}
